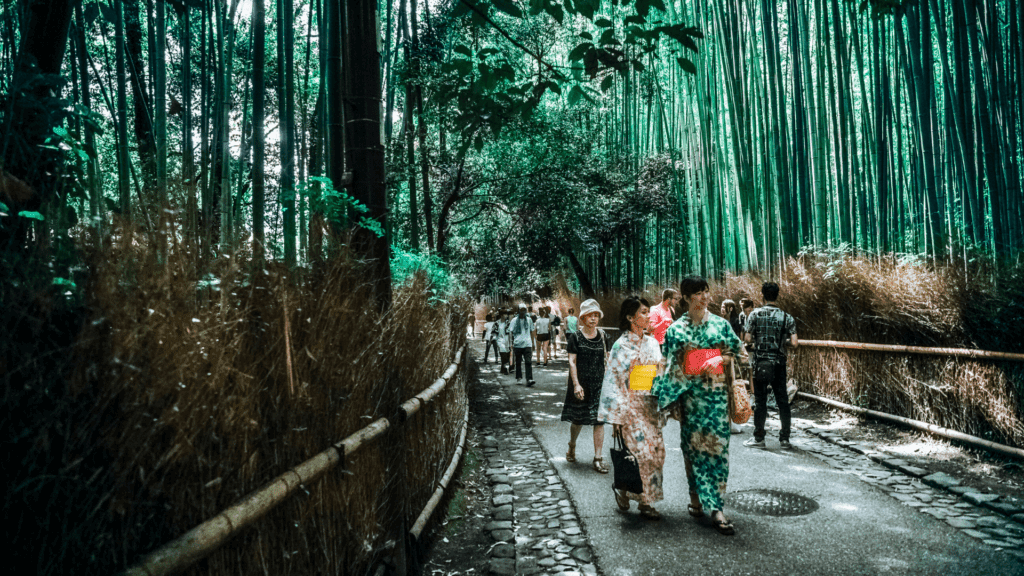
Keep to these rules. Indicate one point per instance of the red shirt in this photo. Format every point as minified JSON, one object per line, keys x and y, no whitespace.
{"x":661,"y":319}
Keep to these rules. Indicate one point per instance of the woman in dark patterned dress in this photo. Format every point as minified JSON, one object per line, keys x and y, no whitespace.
{"x":588,"y":352}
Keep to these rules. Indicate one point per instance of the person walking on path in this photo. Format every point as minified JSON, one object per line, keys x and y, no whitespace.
{"x":571,"y":323}
{"x":522,"y":344}
{"x":556,"y":324}
{"x":633,"y":413}
{"x":490,"y":337}
{"x":588,"y":352}
{"x":771,"y":330}
{"x":504,"y":344}
{"x":661,"y":315}
{"x":746,"y":307}
{"x":730,"y":311}
{"x":700,"y":393}
{"x":543,"y":327}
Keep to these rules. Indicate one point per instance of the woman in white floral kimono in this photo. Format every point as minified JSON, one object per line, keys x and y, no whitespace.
{"x":634,"y":413}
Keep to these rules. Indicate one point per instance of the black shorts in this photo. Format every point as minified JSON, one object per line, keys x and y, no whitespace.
{"x":543,"y":337}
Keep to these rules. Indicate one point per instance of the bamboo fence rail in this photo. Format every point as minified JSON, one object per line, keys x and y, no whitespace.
{"x":200,"y":541}
{"x":964,"y":352}
{"x":924,"y":426}
{"x":435,"y":498}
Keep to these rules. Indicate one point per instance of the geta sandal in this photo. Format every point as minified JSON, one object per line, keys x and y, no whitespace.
{"x":599,"y":465}
{"x":724,"y":526}
{"x":649,"y":512}
{"x":570,"y":456}
{"x":695,"y":511}
{"x":620,"y":499}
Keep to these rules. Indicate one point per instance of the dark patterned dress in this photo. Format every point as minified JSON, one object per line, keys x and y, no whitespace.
{"x":590,"y":359}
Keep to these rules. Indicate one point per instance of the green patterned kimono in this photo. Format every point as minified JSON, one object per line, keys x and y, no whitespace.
{"x":704,"y":401}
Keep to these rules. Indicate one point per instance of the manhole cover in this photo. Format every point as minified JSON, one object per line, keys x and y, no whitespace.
{"x":771,"y":502}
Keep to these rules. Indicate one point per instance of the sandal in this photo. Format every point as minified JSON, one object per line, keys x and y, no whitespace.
{"x":620,"y":499}
{"x":723,"y":526}
{"x":649,"y":512}
{"x":599,"y":466}
{"x":570,"y":456}
{"x":695,"y":511}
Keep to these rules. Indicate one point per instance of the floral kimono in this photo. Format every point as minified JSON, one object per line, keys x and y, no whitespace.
{"x":636,"y":411}
{"x":704,"y":401}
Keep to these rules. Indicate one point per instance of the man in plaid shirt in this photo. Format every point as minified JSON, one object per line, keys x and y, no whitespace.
{"x":770,"y":329}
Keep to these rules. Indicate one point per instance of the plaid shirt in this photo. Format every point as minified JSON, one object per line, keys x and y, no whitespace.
{"x":770,"y":328}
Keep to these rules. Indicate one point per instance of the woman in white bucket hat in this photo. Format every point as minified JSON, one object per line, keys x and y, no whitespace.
{"x":588,"y":353}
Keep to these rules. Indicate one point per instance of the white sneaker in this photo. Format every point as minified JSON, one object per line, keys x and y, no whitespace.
{"x":735,"y":428}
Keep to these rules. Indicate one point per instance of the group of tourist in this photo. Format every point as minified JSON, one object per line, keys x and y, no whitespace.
{"x":664,"y":367}
{"x":516,"y":336}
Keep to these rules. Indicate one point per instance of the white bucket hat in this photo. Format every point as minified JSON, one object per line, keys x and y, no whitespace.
{"x":589,"y":306}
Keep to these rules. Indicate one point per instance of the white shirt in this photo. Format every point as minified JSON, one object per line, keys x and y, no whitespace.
{"x":521,"y":329}
{"x":543,"y":325}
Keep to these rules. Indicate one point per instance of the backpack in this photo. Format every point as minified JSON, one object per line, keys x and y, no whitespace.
{"x":764,"y":367}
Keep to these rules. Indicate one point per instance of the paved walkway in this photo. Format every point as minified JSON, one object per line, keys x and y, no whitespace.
{"x":872,"y":517}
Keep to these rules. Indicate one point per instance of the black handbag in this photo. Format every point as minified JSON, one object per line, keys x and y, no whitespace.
{"x":627,"y":469}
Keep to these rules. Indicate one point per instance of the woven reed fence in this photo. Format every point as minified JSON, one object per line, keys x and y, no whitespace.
{"x":976,"y":392}
{"x":303,"y":491}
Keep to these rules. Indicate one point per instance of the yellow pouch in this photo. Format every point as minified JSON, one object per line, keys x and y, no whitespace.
{"x":642,"y":377}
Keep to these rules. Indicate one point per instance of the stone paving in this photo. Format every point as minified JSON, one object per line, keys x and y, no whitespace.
{"x":997,"y":521}
{"x":533,"y":524}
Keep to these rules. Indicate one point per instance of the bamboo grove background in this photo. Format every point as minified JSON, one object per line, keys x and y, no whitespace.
{"x":817,"y":124}
{"x":881,"y":127}
{"x":181,"y":179}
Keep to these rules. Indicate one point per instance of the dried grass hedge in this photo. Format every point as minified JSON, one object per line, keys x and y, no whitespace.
{"x":177,"y":397}
{"x":892,"y":300}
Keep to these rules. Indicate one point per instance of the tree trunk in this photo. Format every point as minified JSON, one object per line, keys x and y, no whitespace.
{"x":123,"y":166}
{"x":407,"y":128}
{"x":188,"y":170}
{"x":259,"y":16}
{"x":363,"y":148}
{"x":44,"y":38}
{"x":143,"y":117}
{"x":286,"y":91}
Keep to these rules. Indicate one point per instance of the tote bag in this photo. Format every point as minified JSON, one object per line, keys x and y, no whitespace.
{"x":627,"y":469}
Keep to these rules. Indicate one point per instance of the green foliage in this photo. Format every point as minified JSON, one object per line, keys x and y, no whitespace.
{"x":487,"y":88}
{"x":406,"y":264}
{"x":338,"y":207}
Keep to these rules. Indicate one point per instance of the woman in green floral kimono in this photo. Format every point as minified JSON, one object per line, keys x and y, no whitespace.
{"x":702,"y":398}
{"x":634,"y":413}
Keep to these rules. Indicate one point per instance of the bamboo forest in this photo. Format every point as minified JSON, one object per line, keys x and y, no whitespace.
{"x":222,"y":221}
{"x":626,"y":142}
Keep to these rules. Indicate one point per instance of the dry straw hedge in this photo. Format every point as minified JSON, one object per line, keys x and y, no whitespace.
{"x":181,"y":396}
{"x":890,"y":300}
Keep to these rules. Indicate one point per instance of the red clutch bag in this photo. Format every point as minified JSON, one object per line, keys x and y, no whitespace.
{"x":694,"y":361}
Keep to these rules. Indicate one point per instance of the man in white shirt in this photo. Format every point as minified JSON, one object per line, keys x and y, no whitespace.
{"x":521,"y":329}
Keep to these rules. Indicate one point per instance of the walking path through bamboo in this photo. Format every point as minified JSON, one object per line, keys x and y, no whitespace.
{"x":200,"y":541}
